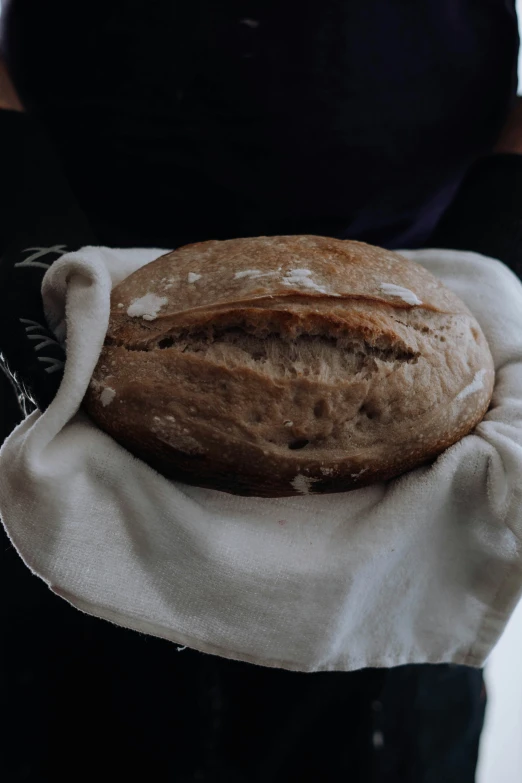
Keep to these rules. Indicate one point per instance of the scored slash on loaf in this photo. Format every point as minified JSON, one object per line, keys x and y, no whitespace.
{"x":288,"y":365}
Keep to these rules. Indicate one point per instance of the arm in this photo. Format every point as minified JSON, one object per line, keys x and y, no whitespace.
{"x":8,"y":95}
{"x":486,"y":214}
{"x":39,"y":221}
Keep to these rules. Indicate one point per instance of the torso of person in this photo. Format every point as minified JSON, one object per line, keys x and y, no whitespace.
{"x":185,"y":121}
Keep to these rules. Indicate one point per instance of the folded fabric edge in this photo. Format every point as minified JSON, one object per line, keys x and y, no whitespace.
{"x":474,"y":659}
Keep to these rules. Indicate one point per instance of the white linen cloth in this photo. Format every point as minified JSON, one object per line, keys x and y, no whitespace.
{"x":424,"y":568}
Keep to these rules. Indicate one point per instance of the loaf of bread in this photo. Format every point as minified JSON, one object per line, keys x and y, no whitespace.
{"x":285,"y":365}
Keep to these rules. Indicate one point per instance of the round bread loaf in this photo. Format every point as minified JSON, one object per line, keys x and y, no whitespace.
{"x":284,"y":365}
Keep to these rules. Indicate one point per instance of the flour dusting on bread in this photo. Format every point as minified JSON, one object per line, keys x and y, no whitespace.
{"x":107,"y":396}
{"x":302,"y":277}
{"x":147,"y":306}
{"x":403,"y":293}
{"x":476,"y":385}
{"x":303,"y":484}
{"x":253,"y":273}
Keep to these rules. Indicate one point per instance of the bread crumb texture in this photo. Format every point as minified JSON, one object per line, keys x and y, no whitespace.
{"x":288,"y":365}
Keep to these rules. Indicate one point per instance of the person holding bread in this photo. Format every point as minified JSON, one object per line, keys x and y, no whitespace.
{"x":284,"y":130}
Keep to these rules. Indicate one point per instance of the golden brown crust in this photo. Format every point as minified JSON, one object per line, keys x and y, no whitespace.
{"x":275,"y":366}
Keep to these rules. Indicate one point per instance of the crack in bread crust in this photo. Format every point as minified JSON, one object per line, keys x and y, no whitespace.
{"x":198,"y":341}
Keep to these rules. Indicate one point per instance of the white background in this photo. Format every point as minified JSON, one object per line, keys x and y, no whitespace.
{"x":501,"y":747}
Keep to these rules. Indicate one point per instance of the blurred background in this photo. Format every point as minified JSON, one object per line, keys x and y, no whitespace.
{"x":501,"y":746}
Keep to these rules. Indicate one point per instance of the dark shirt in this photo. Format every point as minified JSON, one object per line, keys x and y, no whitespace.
{"x":181,"y":122}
